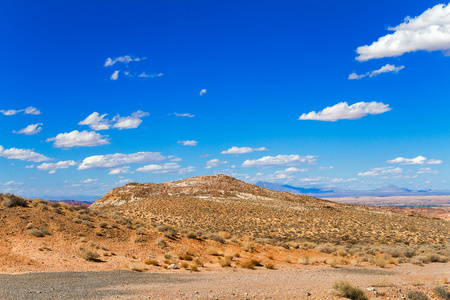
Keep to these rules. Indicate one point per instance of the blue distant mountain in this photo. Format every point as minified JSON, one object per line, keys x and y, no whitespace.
{"x":384,"y":191}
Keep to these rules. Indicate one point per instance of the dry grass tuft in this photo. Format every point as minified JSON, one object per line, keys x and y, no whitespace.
{"x":349,"y":291}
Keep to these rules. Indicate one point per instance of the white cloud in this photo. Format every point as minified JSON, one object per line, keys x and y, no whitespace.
{"x":89,"y":180}
{"x":125,"y":181}
{"x":123,"y":59}
{"x":27,"y":111}
{"x":29,"y":167}
{"x":427,"y":171}
{"x":176,"y":159}
{"x":419,"y":160}
{"x":384,"y":69}
{"x":326,"y":168}
{"x":429,"y":31}
{"x":341,"y":180}
{"x":280,"y":161}
{"x":188,"y":143}
{"x":381,"y":171}
{"x":283,"y":175}
{"x":130,"y":122}
{"x":22,"y":154}
{"x":52,"y":167}
{"x":202,"y":92}
{"x":96,"y":122}
{"x":184,"y":115}
{"x":167,"y":168}
{"x":214,"y":163}
{"x":122,"y":170}
{"x":242,"y":150}
{"x":79,"y":139}
{"x":115,"y":75}
{"x":342,"y":111}
{"x":109,"y":161}
{"x":144,"y":75}
{"x":30,"y":129}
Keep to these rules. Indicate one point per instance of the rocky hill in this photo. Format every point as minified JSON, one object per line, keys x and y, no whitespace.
{"x":222,"y":203}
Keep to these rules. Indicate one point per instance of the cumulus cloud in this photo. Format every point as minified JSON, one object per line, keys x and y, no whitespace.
{"x":384,"y":69}
{"x":242,"y":150}
{"x":52,"y":167}
{"x":202,"y":92}
{"x":381,"y":171}
{"x":188,"y":143}
{"x":27,"y":111}
{"x":96,"y":121}
{"x":30,"y":129}
{"x":429,"y":31}
{"x":419,"y":160}
{"x":79,"y":139}
{"x":22,"y":154}
{"x":117,"y":171}
{"x":184,"y":115}
{"x":90,"y":180}
{"x":167,"y":168}
{"x":129,"y":122}
{"x":123,"y":59}
{"x":342,"y":111}
{"x":280,"y":161}
{"x":326,"y":168}
{"x":110,"y":161}
{"x":214,"y":163}
{"x":115,"y":75}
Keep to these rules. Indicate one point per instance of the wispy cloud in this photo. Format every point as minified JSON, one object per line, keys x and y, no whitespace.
{"x":385,"y":69}
{"x":183,"y":115}
{"x":99,"y":122}
{"x":243,"y":150}
{"x":167,"y":168}
{"x":429,"y":31}
{"x":343,"y":111}
{"x":27,"y":111}
{"x":79,"y":139}
{"x":30,"y":129}
{"x":188,"y":143}
{"x":52,"y":167}
{"x":122,"y":59}
{"x":22,"y":154}
{"x":144,"y":75}
{"x":118,"y":171}
{"x":280,"y":161}
{"x":202,"y":92}
{"x":419,"y":160}
{"x":381,"y":171}
{"x":110,"y":161}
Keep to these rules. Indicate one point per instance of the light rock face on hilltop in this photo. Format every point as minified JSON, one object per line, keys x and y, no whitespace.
{"x":215,"y":187}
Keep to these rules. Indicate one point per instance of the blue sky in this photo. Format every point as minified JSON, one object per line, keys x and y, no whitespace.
{"x":95,"y":94}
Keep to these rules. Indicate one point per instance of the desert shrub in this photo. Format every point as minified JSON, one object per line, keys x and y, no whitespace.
{"x":191,"y":235}
{"x":184,"y":265}
{"x":14,"y":201}
{"x":152,"y":262}
{"x":168,"y":256}
{"x":198,"y":262}
{"x":89,"y":255}
{"x":161,"y":243}
{"x":304,"y":260}
{"x":349,"y":291}
{"x":325,"y":248}
{"x":87,"y":223}
{"x":76,"y":220}
{"x":194,"y":267}
{"x":256,"y":262}
{"x":36,"y":232}
{"x":57,"y":210}
{"x":269,"y":265}
{"x":225,"y":262}
{"x":102,"y":224}
{"x":55,"y":204}
{"x":213,"y":252}
{"x":135,"y":267}
{"x":248,"y":246}
{"x":417,"y":295}
{"x":29,"y":226}
{"x":224,"y":235}
{"x":84,"y":217}
{"x":379,"y":261}
{"x":248,"y":264}
{"x":442,"y":292}
{"x":186,"y":255}
{"x":216,"y":238}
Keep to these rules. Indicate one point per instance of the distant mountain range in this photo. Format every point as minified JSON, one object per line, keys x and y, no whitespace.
{"x":75,"y":198}
{"x":389,"y":190}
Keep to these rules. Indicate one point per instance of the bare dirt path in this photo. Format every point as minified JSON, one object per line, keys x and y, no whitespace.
{"x":283,"y":283}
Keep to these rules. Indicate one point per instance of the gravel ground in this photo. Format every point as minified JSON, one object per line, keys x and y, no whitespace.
{"x":307,"y":282}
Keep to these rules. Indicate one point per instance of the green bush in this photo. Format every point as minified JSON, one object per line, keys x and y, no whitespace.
{"x":349,"y":291}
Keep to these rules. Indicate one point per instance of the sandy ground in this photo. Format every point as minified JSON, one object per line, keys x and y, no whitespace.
{"x":283,"y":283}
